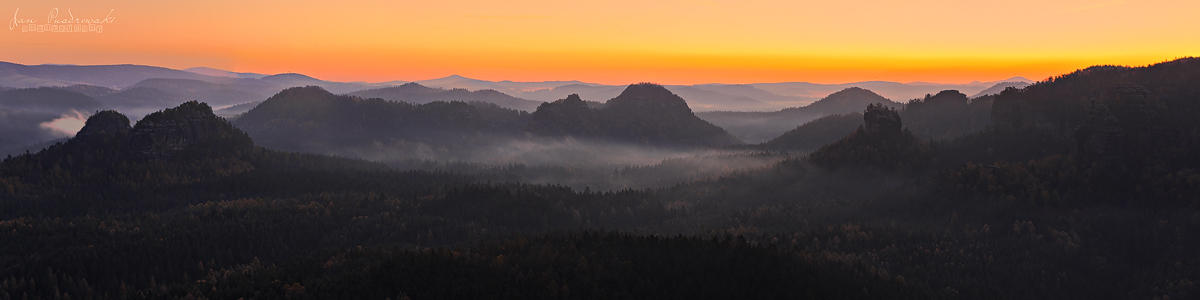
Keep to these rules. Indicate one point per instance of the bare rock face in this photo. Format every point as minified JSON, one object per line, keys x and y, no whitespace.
{"x":881,"y":120}
{"x":189,"y":128}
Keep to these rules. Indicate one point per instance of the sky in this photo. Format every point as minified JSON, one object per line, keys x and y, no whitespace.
{"x":615,"y":41}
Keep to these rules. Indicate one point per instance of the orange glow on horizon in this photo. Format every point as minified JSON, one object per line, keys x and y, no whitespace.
{"x":617,"y":42}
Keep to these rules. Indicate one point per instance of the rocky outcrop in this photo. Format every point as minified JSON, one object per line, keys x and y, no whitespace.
{"x":190,"y":128}
{"x":104,"y":124}
{"x":880,"y":143}
{"x":879,"y":120}
{"x":563,"y":117}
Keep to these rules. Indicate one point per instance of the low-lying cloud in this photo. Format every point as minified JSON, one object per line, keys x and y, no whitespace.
{"x":66,"y":125}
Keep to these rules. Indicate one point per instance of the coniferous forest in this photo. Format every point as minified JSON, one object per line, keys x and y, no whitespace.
{"x":1085,"y":185}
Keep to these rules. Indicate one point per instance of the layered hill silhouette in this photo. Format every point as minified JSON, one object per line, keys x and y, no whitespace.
{"x":182,"y":187}
{"x":311,"y":119}
{"x":757,"y":127}
{"x":717,"y":97}
{"x":418,"y":94}
{"x":111,"y":76}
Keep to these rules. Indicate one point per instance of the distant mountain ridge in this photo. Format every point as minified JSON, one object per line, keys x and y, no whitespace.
{"x":718,"y":97}
{"x":701,"y":97}
{"x":110,"y":76}
{"x":137,"y":89}
{"x":418,"y":94}
{"x":757,"y":127}
{"x":223,"y":73}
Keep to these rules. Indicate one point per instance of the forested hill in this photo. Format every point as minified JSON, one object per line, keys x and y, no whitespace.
{"x":644,"y":114}
{"x":173,"y":157}
{"x":310,"y":119}
{"x":942,"y":117}
{"x":183,"y":204}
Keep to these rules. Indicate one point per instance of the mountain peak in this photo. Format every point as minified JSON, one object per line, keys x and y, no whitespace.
{"x":190,"y":128}
{"x":454,"y":77}
{"x":646,"y":90}
{"x":848,"y":100}
{"x":302,"y":90}
{"x":853,"y":91}
{"x":650,"y":97}
{"x":290,"y":77}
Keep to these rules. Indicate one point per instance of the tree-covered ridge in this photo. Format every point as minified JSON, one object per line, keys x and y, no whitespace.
{"x":1062,"y":103}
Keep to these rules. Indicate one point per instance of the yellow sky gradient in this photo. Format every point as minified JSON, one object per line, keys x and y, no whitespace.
{"x":675,"y":42}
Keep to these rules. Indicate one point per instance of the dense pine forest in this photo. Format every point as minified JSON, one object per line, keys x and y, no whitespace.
{"x":1086,"y":185}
